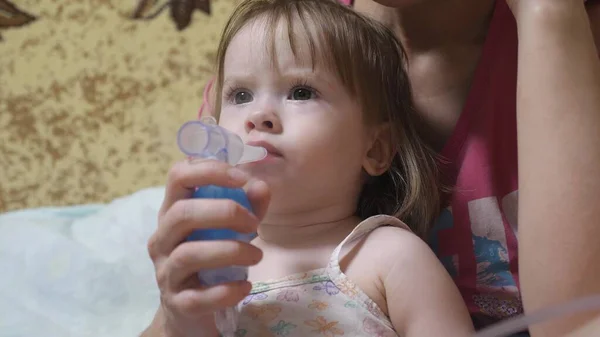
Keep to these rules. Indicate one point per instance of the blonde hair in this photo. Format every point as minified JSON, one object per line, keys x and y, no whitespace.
{"x":370,"y":62}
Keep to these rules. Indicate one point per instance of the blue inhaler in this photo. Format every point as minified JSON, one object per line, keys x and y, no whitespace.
{"x":204,"y":139}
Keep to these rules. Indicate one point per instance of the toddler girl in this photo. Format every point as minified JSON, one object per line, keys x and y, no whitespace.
{"x":350,"y":188}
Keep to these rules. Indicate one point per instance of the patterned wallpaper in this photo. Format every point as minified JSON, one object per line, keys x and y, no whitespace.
{"x":92,"y":93}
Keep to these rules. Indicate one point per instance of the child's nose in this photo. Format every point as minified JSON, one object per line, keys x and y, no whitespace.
{"x":264,"y":121}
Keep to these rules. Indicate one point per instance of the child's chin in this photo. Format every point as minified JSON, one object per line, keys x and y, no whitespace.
{"x":263,"y":171}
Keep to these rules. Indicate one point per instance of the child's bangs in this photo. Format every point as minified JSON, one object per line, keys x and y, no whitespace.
{"x":330,"y":31}
{"x":301,"y":22}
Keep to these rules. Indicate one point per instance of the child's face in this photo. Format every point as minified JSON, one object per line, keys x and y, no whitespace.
{"x":310,"y":123}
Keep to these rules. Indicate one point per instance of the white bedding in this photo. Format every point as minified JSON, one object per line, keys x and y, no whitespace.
{"x":79,"y":271}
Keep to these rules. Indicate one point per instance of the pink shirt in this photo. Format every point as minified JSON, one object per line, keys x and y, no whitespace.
{"x":476,"y":235}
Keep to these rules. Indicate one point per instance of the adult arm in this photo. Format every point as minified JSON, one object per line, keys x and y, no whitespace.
{"x":558,"y":113}
{"x":591,"y":329}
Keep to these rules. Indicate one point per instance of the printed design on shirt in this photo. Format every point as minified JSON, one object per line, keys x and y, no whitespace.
{"x":318,"y":305}
{"x":312,"y":309}
{"x":496,"y":294}
{"x":288,"y":295}
{"x":444,"y":222}
{"x":283,"y":328}
{"x":373,"y":308}
{"x":347,"y":287}
{"x":297,"y":277}
{"x":322,"y":302}
{"x":318,"y":278}
{"x":492,"y":263}
{"x":255,"y":297}
{"x":261,"y":330}
{"x":264,"y":313}
{"x":489,"y":244}
{"x":374,"y":329}
{"x":328,"y":287}
{"x":260,"y":287}
{"x":325,"y":328}
{"x":351,"y":304}
{"x":498,"y":305}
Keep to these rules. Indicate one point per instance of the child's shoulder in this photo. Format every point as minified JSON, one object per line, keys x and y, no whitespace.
{"x":390,"y":250}
{"x":388,"y":236}
{"x":392,"y":244}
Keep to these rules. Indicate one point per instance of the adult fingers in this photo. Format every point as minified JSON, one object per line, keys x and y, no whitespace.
{"x":186,"y":175}
{"x":187,"y":215}
{"x":197,"y":301}
{"x":190,"y":257}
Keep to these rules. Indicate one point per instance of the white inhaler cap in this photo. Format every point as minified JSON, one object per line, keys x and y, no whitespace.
{"x":205,"y":139}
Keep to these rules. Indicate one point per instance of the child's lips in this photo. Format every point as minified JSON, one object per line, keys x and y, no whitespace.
{"x":272,"y":156}
{"x":272,"y":151}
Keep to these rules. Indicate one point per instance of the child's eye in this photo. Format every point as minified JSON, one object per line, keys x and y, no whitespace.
{"x":301,"y":94}
{"x":242,"y":97}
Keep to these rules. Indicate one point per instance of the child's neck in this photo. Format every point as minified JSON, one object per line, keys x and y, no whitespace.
{"x":297,"y":231}
{"x":297,"y":243}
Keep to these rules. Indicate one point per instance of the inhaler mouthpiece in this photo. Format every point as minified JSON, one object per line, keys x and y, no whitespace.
{"x":205,"y":139}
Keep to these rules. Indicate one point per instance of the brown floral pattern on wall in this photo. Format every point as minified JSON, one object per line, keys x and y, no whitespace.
{"x":91,"y":100}
{"x":181,"y":11}
{"x":11,"y":16}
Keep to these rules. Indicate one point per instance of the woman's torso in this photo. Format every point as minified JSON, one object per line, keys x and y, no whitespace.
{"x":465,"y":91}
{"x":476,"y":235}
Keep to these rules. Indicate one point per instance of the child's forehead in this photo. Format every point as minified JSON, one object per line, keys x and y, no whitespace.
{"x":289,"y":46}
{"x":281,"y":41}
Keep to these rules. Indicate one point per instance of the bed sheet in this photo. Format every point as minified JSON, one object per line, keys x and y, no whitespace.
{"x":80,"y":270}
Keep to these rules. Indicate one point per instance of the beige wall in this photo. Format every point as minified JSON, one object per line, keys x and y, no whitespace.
{"x":91,"y":100}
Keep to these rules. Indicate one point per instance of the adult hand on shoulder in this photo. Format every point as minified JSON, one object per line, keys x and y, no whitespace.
{"x":187,"y":307}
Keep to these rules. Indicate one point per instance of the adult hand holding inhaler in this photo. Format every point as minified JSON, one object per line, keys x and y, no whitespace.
{"x":204,"y":139}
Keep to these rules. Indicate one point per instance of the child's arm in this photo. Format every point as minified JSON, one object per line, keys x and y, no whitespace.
{"x":558,"y":111}
{"x":422,"y":299}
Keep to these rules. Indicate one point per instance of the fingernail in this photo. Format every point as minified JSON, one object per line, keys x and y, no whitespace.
{"x":237,"y":175}
{"x":245,"y":285}
{"x":255,"y":182}
{"x":195,"y":160}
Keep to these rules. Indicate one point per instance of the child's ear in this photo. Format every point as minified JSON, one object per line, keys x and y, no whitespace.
{"x":208,"y":101}
{"x":381,"y":152}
